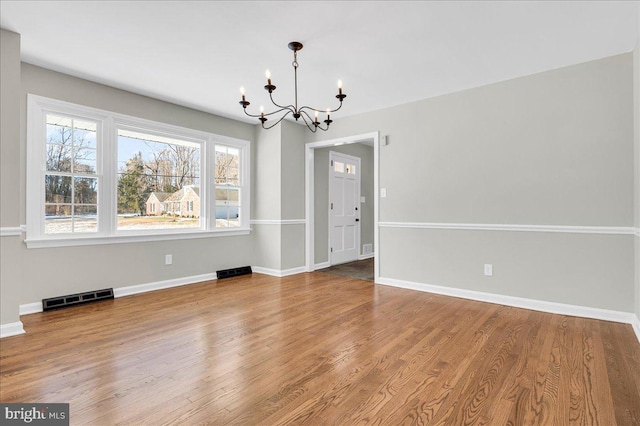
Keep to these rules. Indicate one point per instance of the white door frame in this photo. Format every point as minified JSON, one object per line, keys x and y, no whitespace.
{"x":373,"y":137}
{"x":356,"y":161}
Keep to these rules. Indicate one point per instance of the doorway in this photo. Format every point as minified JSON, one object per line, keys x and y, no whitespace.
{"x":314,"y":213}
{"x":344,"y":203}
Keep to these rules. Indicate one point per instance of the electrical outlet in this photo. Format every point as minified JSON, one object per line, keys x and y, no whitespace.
{"x":488,"y":269}
{"x":168,"y":259}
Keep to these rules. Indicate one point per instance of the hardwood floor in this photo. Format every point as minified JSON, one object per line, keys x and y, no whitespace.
{"x":323,"y":350}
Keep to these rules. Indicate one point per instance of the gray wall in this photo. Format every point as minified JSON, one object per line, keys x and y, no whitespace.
{"x":555,"y":148}
{"x":57,"y":271}
{"x":321,"y":196}
{"x":10,"y":128}
{"x":292,"y":154}
{"x":279,"y":197}
{"x":556,"y":267}
{"x":293,"y":235}
{"x":267,"y":173}
{"x":266,"y":187}
{"x":636,"y":139}
{"x":9,"y":175}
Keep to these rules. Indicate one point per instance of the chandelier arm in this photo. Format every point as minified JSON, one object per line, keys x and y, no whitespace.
{"x":277,"y":122}
{"x":251,"y":115}
{"x":320,"y":110}
{"x":278,"y":111}
{"x":289,"y":107}
{"x":265,"y":114}
{"x":304,"y":116}
{"x":305,"y":113}
{"x":319,"y":126}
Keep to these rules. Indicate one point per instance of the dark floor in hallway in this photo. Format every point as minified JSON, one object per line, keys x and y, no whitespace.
{"x":362,"y":269}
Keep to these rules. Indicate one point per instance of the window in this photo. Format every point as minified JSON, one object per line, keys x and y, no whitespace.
{"x":71,"y":175}
{"x":227,"y":181}
{"x":95,"y":176}
{"x":159,"y":169}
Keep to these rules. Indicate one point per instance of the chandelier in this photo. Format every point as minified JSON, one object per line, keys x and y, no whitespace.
{"x":304,"y":111}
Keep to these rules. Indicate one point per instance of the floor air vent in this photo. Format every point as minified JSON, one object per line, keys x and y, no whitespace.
{"x":234,"y":272}
{"x":76,"y":299}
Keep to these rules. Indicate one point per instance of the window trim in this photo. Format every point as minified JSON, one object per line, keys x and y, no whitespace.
{"x":108,"y":125}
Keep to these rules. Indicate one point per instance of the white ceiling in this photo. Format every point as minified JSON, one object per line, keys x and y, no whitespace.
{"x":198,"y":54}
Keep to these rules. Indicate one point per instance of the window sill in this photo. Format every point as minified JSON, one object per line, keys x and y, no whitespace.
{"x":130,"y":238}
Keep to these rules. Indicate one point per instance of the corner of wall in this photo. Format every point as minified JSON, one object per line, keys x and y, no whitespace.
{"x":636,"y":144}
{"x":11,"y":240}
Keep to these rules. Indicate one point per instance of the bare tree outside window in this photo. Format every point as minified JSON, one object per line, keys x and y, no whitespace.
{"x":71,"y":182}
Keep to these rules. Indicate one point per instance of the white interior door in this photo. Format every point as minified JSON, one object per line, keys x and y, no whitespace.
{"x":344,"y":208}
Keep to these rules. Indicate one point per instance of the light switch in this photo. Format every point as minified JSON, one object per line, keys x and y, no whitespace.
{"x":362,"y":200}
{"x":488,"y":269}
{"x":383,"y":192}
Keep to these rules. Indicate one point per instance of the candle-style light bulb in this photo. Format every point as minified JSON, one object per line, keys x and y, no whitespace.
{"x":267,"y":74}
{"x":261,"y":111}
{"x":328,"y":121}
{"x":242,"y":92}
{"x":340,"y":87}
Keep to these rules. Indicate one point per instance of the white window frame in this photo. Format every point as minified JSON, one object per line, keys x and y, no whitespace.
{"x":107,"y":145}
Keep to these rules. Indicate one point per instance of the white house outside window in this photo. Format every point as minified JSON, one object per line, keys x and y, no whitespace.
{"x":228,"y":186}
{"x":156,"y":176}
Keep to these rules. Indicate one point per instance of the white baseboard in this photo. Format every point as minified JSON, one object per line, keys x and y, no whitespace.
{"x":636,"y":326}
{"x":366,"y":256}
{"x":11,"y":329}
{"x":279,"y":272}
{"x":34,"y":308}
{"x":519,"y":302}
{"x":159,"y":285}
{"x":321,"y":265}
{"x":31,"y":308}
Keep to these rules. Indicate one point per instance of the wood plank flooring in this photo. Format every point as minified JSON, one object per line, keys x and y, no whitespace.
{"x":320,"y":349}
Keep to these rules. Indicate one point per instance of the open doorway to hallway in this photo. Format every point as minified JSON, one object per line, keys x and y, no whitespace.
{"x":343,"y":204}
{"x":317,"y":207}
